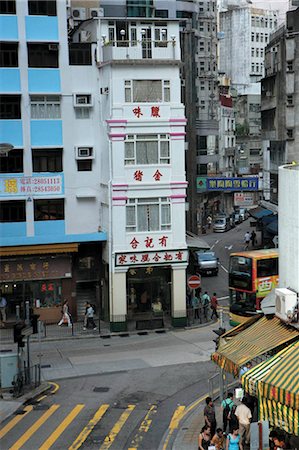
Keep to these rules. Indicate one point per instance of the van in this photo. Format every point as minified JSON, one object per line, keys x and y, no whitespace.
{"x":221,"y":224}
{"x":207,"y":263}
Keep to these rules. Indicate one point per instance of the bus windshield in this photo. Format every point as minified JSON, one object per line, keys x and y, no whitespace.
{"x":240,"y":273}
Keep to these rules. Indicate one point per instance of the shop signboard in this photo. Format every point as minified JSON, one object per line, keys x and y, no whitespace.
{"x":243,"y":199}
{"x":37,"y":186}
{"x":151,"y":258}
{"x":227,"y":184}
{"x":21,"y":269}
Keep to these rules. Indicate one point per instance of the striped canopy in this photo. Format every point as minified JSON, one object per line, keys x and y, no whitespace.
{"x":264,"y":335}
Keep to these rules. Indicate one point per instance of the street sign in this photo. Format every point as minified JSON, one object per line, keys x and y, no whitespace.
{"x":27,"y":331}
{"x":194,"y":282}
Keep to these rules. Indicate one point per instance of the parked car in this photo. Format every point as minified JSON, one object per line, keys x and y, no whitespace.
{"x":207,"y":263}
{"x":221,"y":223}
{"x":237,"y":217}
{"x":242,"y":213}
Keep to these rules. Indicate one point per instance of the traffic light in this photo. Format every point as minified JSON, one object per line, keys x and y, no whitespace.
{"x":17,"y":334}
{"x":34,"y":323}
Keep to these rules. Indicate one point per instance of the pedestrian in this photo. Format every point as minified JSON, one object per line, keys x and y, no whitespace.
{"x":243,"y":370}
{"x":244,"y":416}
{"x":253,"y":238}
{"x":247,"y":240}
{"x":234,"y":441}
{"x":205,"y":301}
{"x":66,"y":316}
{"x":209,"y":221}
{"x":195,"y":306}
{"x":233,"y":419}
{"x":218,"y":440}
{"x":209,"y":415}
{"x":3,"y":304}
{"x":214,"y":306}
{"x":89,"y":317}
{"x":204,"y":438}
{"x":227,"y":406}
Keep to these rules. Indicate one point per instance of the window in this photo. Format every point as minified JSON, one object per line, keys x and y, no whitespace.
{"x":257,"y":67}
{"x":49,"y":160}
{"x":147,"y":91}
{"x":147,"y":149}
{"x":257,"y":51}
{"x":290,"y":133}
{"x":201,"y":46}
{"x":252,"y":37}
{"x":148,"y":214}
{"x":80,"y":54}
{"x":12,"y":163}
{"x":257,"y":37}
{"x":255,"y":151}
{"x":7,"y":7}
{"x":45,"y":107}
{"x":43,"y":55}
{"x":201,"y":26}
{"x":290,"y":67}
{"x":9,"y":54}
{"x":13,"y":211}
{"x":290,"y":100}
{"x":252,"y":68}
{"x":252,"y":51}
{"x":49,"y":209}
{"x":202,"y":85}
{"x":10,"y":107}
{"x":267,"y":267}
{"x":161,"y":37}
{"x":42,"y":7}
{"x":163,"y":13}
{"x":84,"y":165}
{"x":82,"y":113}
{"x":262,"y":37}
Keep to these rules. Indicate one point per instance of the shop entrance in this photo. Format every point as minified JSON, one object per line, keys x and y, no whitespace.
{"x":145,"y":286}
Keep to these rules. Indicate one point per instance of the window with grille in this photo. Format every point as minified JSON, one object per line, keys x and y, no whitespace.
{"x":49,"y":209}
{"x":7,"y":7}
{"x":13,"y":162}
{"x":80,"y":54}
{"x":145,"y":91}
{"x":49,"y":160}
{"x":9,"y":54}
{"x":45,"y":107}
{"x":42,"y":7}
{"x":147,"y":149}
{"x":161,"y":36}
{"x":148,"y":214}
{"x":43,"y":55}
{"x":10,"y":107}
{"x":13,"y":211}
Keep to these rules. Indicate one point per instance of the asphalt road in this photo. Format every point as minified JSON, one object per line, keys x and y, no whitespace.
{"x":122,"y":394}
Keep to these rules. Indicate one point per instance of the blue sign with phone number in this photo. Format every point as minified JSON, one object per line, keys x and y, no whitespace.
{"x":227,"y":184}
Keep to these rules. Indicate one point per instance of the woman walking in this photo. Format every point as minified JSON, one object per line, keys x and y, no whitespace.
{"x":204,"y":438}
{"x":66,"y":317}
{"x":233,"y":440}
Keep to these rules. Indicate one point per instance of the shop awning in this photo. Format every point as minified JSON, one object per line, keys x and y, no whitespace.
{"x":38,"y":249}
{"x":276,"y":384}
{"x":259,"y":212}
{"x":273,"y":227}
{"x":261,"y":337}
{"x":196,"y":243}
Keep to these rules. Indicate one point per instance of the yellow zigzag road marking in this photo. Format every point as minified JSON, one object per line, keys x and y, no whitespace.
{"x":14,"y":421}
{"x":109,"y":439}
{"x":26,"y":436}
{"x":60,"y":429}
{"x":88,"y":429}
{"x":144,"y":427}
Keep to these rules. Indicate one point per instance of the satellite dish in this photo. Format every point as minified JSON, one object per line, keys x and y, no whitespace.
{"x":5,"y":148}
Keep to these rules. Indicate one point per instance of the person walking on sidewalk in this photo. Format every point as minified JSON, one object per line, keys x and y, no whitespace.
{"x":195,"y":306}
{"x":253,"y":238}
{"x":233,"y":440}
{"x":89,"y":317}
{"x":209,"y":415}
{"x":246,"y":240}
{"x":214,"y":306}
{"x":205,"y":301}
{"x":227,"y":406}
{"x":244,"y":416}
{"x":204,"y":438}
{"x":66,"y":317}
{"x":218,"y":440}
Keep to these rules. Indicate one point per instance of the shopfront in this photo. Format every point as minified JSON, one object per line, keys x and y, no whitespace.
{"x":42,"y":280}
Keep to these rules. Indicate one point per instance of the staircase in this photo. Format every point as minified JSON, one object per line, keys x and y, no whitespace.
{"x":86,"y":292}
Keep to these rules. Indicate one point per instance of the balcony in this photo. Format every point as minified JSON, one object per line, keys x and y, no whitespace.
{"x":141,"y":52}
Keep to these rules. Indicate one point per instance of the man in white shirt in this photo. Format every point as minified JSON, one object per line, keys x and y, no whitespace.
{"x":244,"y":416}
{"x":89,"y":317}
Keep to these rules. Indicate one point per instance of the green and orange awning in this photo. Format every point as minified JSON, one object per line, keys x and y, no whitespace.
{"x":264,"y":335}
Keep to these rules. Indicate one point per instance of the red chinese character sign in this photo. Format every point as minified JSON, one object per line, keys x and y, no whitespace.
{"x":138,"y":175}
{"x":137,"y":112}
{"x":151,"y":258}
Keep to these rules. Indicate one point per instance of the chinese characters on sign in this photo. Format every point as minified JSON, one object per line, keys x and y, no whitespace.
{"x":138,"y":175}
{"x":227,"y":184}
{"x":35,"y":269}
{"x":36,"y":185}
{"x":149,"y":242}
{"x":158,"y":257}
{"x":155,"y":111}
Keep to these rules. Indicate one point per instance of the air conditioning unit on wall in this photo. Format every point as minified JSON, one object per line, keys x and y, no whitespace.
{"x":96,"y":12}
{"x":83,"y":100}
{"x":286,"y":304}
{"x":84,"y":153}
{"x":79,"y":13}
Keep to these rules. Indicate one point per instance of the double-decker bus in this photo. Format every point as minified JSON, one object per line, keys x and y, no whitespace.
{"x":252,"y":275}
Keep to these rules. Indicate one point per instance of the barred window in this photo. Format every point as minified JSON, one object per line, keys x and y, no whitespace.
{"x":148,"y":214}
{"x":147,"y":149}
{"x":145,"y":91}
{"x":45,"y":107}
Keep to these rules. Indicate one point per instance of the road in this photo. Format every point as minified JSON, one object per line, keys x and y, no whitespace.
{"x":122,"y":393}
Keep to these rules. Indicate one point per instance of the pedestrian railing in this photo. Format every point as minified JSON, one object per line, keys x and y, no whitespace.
{"x":26,"y":379}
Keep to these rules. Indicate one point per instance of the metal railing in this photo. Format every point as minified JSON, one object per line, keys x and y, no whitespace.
{"x":26,"y":379}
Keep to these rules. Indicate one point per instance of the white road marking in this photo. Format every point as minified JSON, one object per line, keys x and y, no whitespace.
{"x":215,"y":243}
{"x":229,"y":247}
{"x":223,"y":298}
{"x":222,"y":267}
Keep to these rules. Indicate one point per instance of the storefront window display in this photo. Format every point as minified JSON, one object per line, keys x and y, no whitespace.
{"x":146,"y":287}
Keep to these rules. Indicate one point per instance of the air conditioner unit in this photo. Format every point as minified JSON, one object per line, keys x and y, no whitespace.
{"x":105,"y":90}
{"x":53,"y":47}
{"x":79,"y":13}
{"x":96,"y":12}
{"x":83,"y":100}
{"x":84,"y":153}
{"x":285,"y":304}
